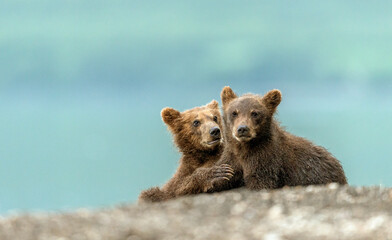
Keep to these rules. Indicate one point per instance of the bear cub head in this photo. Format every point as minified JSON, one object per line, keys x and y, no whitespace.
{"x":249,"y":117}
{"x":197,"y":129}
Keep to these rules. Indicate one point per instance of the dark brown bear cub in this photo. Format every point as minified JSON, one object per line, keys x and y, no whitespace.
{"x":263,"y":153}
{"x":197,"y":134}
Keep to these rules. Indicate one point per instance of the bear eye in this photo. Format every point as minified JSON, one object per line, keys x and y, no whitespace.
{"x":254,"y":114}
{"x":196,"y":123}
{"x":215,"y":119}
{"x":234,"y":114}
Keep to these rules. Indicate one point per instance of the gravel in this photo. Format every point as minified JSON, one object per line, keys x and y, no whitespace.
{"x":313,"y":212}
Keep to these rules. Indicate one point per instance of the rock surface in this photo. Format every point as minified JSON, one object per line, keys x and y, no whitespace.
{"x":314,"y":212}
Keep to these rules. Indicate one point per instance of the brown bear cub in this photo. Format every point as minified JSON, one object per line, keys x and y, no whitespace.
{"x":197,"y":134}
{"x":263,"y":153}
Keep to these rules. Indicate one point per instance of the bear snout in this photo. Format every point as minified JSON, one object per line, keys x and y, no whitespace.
{"x":243,"y":131}
{"x":215,"y":132}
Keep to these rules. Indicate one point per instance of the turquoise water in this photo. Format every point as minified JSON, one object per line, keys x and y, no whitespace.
{"x":89,"y":151}
{"x":82,"y":84}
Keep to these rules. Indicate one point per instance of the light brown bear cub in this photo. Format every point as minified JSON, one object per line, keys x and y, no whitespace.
{"x":263,"y":154}
{"x":197,"y":134}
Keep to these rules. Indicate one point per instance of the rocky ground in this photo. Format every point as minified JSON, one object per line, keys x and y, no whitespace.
{"x":322,"y":212}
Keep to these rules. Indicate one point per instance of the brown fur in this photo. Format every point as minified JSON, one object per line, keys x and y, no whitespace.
{"x":197,"y":172}
{"x":266,"y":156}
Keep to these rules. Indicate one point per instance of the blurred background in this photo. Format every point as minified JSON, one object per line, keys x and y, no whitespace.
{"x":82,"y":84}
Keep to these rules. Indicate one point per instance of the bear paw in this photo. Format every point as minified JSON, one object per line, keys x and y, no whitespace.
{"x":218,"y":176}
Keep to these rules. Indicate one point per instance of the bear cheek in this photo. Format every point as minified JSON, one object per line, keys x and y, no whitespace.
{"x":229,"y":125}
{"x":196,"y":136}
{"x":258,"y":121}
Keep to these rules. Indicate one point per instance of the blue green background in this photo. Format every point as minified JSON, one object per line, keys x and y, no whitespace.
{"x":82,"y":84}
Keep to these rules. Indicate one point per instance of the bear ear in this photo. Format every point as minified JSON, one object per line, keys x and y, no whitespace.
{"x":272,"y":99}
{"x":227,"y":95}
{"x":213,"y":105}
{"x":169,"y":116}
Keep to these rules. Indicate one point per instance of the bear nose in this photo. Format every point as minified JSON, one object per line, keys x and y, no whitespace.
{"x":215,"y":132}
{"x":242,"y":130}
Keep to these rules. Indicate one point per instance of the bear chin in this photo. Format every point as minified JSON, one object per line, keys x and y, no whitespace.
{"x":243,"y":139}
{"x":212,"y":143}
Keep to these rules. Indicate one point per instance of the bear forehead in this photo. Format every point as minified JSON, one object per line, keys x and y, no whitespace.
{"x":246,"y":103}
{"x":200,"y":113}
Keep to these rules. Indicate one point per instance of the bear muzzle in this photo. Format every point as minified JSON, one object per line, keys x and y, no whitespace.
{"x":242,"y":133}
